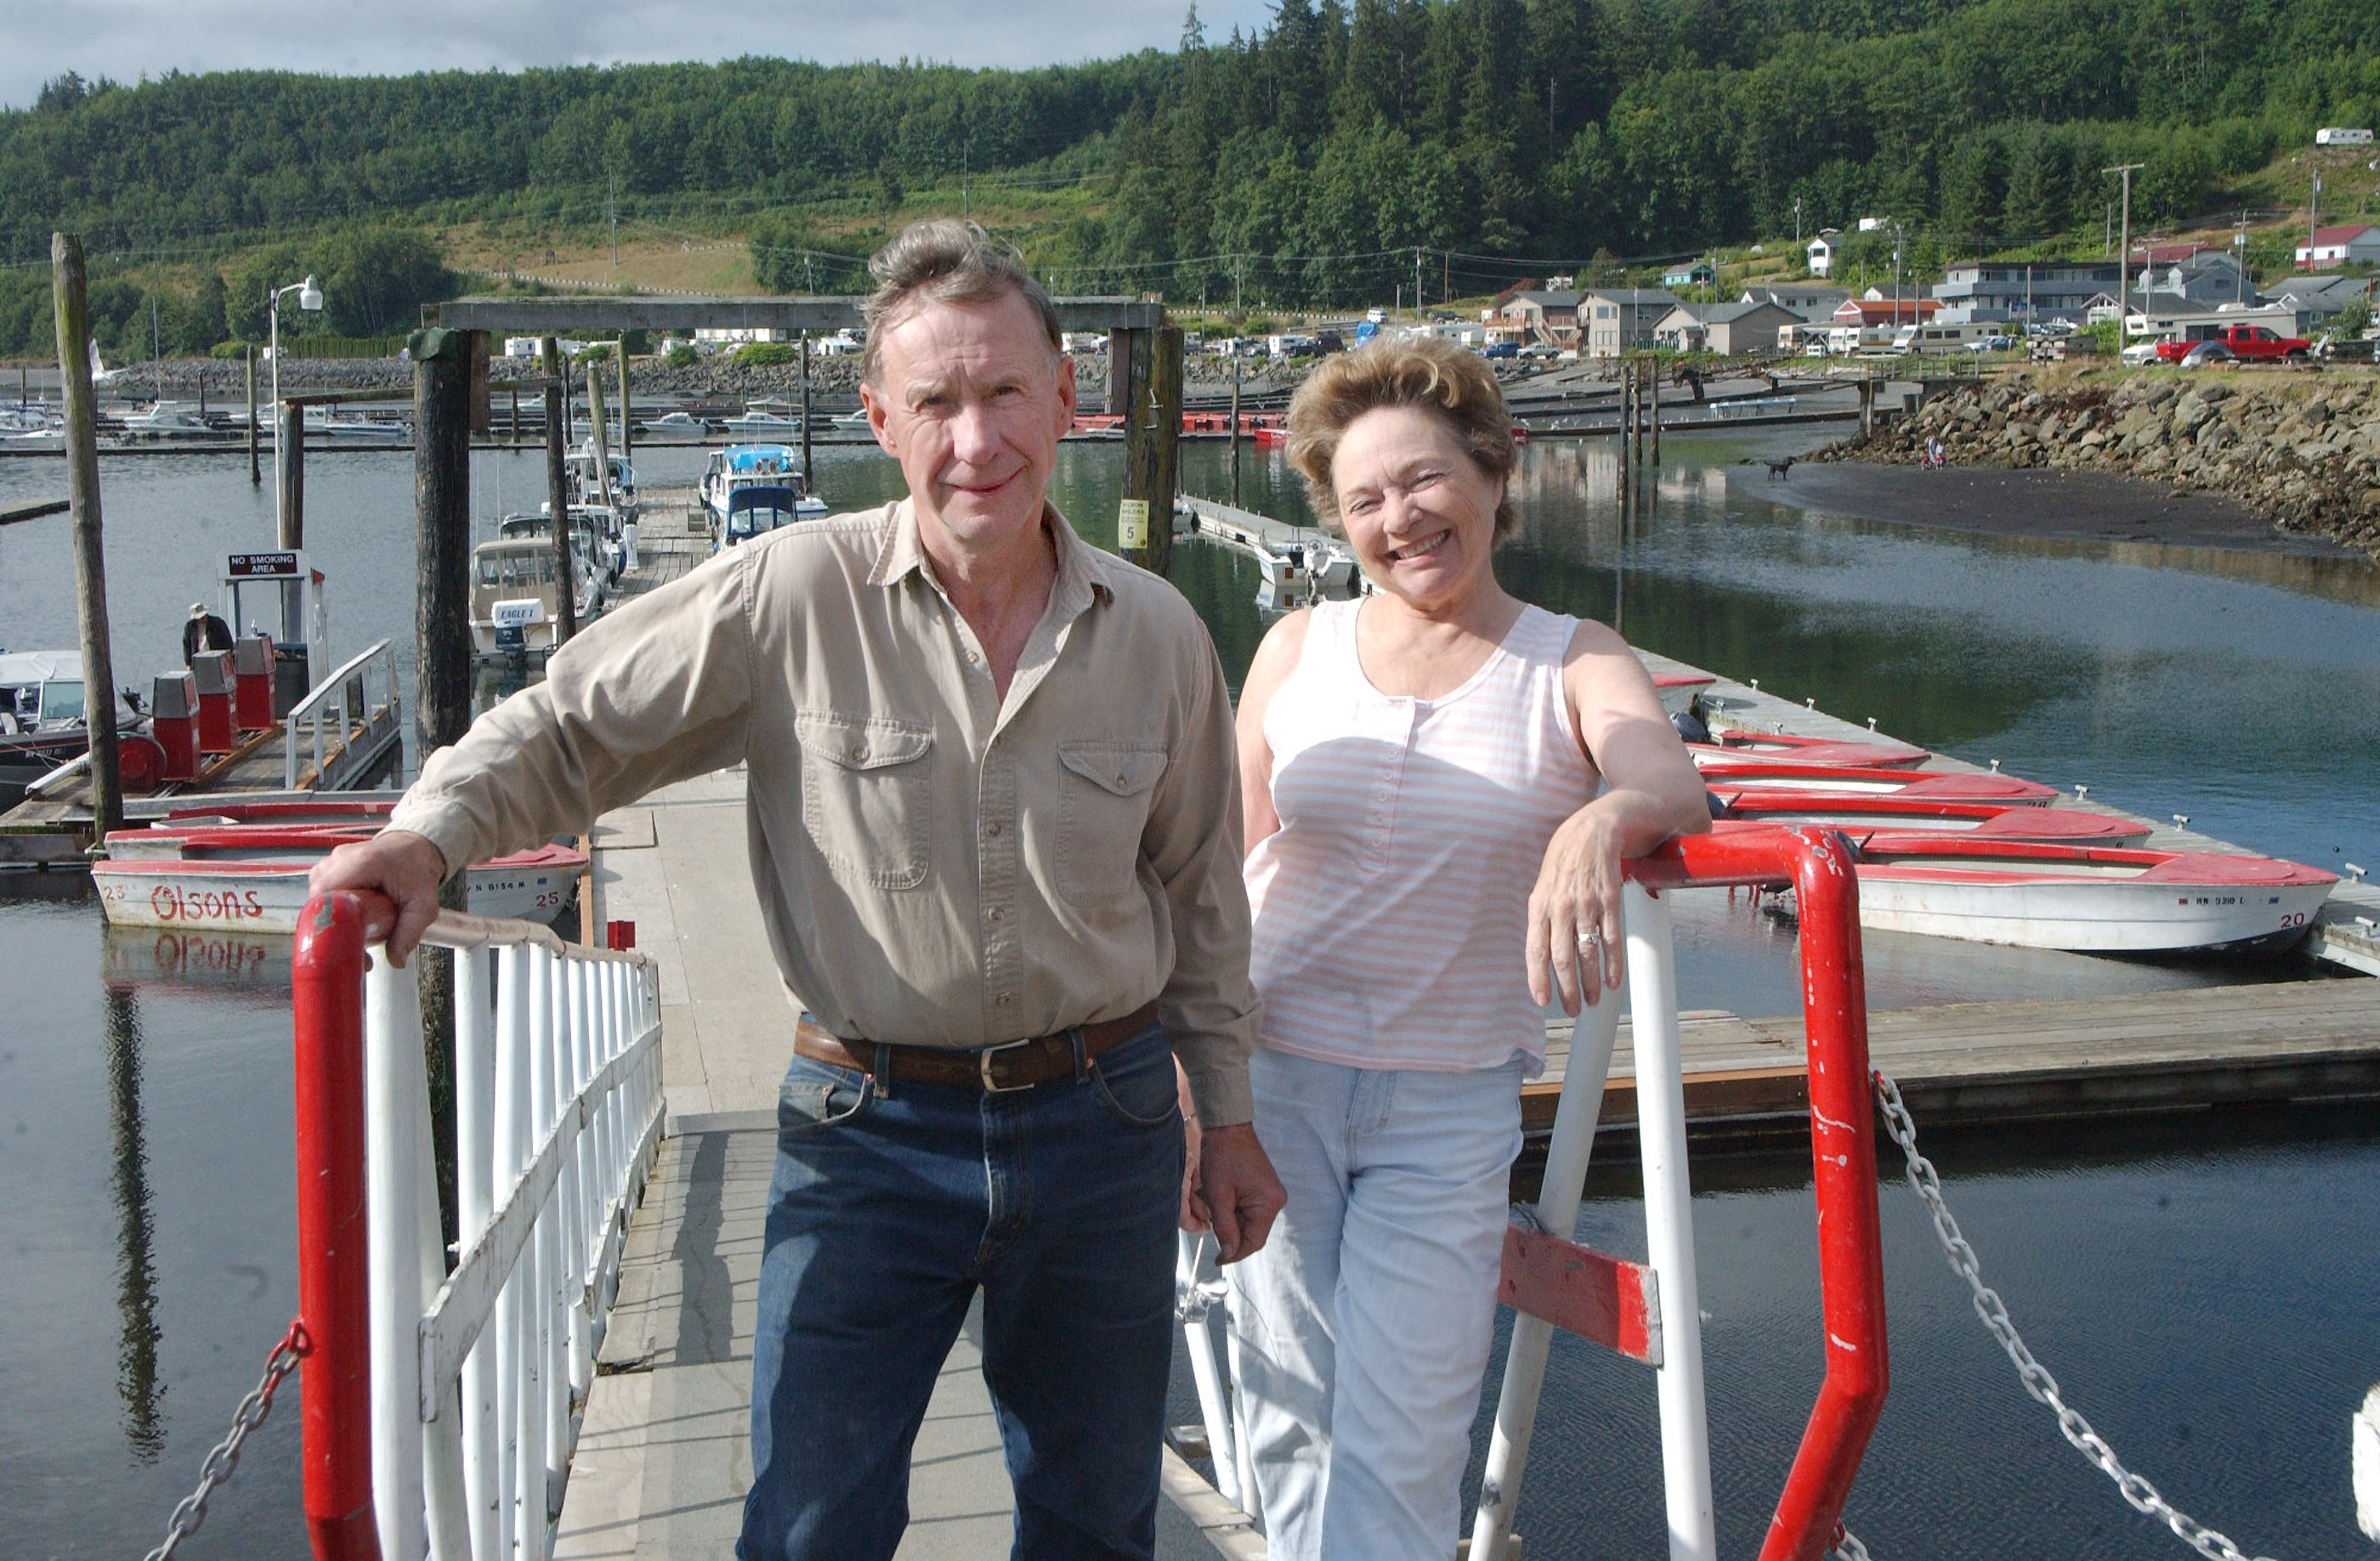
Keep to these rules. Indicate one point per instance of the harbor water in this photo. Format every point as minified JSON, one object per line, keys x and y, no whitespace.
{"x":2207,"y":1291}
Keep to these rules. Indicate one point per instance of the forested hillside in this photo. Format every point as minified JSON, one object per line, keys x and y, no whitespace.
{"x":1303,"y":163}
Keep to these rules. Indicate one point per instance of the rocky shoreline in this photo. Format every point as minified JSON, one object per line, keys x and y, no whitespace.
{"x":2299,"y":450}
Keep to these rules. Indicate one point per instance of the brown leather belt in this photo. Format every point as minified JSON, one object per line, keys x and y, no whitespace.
{"x":1012,"y":1065}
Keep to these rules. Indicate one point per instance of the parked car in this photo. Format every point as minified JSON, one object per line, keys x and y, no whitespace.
{"x":2207,"y":352}
{"x":1541,"y":349}
{"x":1500,"y":349}
{"x":2140,"y":353}
{"x":1991,"y":343}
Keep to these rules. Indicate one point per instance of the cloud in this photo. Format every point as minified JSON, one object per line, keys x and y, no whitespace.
{"x":127,"y":38}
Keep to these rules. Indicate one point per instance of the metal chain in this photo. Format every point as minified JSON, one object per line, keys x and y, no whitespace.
{"x":2036,"y":1376}
{"x":225,"y":1456}
{"x":1848,"y":1547}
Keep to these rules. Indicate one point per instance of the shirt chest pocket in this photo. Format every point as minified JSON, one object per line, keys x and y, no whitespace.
{"x":1105,"y":790}
{"x":867,"y":795}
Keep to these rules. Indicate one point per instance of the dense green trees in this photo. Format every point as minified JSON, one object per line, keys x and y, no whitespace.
{"x":1305,"y":162}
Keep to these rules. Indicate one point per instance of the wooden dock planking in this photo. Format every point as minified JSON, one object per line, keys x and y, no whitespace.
{"x":2135,"y":1052}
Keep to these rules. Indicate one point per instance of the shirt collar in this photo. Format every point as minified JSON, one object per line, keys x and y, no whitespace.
{"x":902,"y":553}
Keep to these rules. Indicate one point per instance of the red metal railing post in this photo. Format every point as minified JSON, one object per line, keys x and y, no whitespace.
{"x":1842,"y":1148}
{"x":333,"y":1290}
{"x":1819,"y":866}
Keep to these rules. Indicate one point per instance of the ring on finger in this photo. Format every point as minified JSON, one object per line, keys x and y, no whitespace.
{"x":1591,"y":939}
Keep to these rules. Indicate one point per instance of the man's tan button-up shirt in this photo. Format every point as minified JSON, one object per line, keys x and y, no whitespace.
{"x":936,"y":866}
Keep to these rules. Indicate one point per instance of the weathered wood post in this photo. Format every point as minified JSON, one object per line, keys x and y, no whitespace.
{"x":1135,"y":512}
{"x":289,"y":479}
{"x":482,"y":414}
{"x":557,"y":486}
{"x":442,"y":652}
{"x":255,"y":458}
{"x":1867,"y":404}
{"x":806,"y":411}
{"x":70,"y":302}
{"x":513,"y":434}
{"x":1119,"y":349}
{"x":620,"y":353}
{"x":1235,"y":427}
{"x":441,"y":535}
{"x":1653,"y":384}
{"x":1164,"y":409}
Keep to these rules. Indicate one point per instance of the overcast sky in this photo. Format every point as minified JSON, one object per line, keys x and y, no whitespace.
{"x":124,"y":39}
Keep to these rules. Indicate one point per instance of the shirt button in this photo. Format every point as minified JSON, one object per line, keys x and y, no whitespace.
{"x":974,"y":660}
{"x":992,"y":829}
{"x":1005,"y":998}
{"x":996,"y":912}
{"x":859,"y":751}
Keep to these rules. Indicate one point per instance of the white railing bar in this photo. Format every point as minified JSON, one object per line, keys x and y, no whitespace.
{"x":1669,"y":1228}
{"x":460,"y":929}
{"x":326,"y":686}
{"x":392,"y":1134}
{"x":1585,"y":1074}
{"x":453,"y":1321}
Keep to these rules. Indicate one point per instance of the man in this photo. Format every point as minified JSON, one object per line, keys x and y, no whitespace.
{"x":204,"y":631}
{"x":994,"y":828}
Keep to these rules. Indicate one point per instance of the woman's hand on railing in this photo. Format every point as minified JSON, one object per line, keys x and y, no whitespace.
{"x":398,"y":873}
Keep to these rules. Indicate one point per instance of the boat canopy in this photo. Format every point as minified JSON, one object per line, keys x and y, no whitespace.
{"x":760,"y":458}
{"x":22,"y":669}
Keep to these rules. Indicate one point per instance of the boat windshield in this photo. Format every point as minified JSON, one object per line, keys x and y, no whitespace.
{"x":525,"y":568}
{"x":758,"y":510}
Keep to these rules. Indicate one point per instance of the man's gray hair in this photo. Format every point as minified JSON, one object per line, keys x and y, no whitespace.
{"x":945,"y":260}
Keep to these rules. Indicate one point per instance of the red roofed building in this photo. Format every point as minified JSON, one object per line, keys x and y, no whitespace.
{"x":2352,"y":244}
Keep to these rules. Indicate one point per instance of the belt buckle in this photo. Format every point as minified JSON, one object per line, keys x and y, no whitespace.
{"x":983,"y":1067}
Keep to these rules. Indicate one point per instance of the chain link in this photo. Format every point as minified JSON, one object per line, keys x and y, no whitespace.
{"x":225,"y":1455}
{"x":1847,"y":1546}
{"x":2036,"y":1376}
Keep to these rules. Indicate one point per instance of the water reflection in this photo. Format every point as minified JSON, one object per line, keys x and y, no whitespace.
{"x":138,"y":1382}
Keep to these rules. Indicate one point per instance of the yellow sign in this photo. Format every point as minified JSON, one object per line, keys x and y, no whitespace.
{"x":1132,"y":524}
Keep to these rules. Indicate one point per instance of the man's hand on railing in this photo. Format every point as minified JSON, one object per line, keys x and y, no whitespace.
{"x":404,"y":870}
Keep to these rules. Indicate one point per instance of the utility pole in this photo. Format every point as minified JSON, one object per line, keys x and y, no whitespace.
{"x":612,"y":209}
{"x":2124,"y":258}
{"x":2314,"y":221}
{"x":1418,"y":277}
{"x":2240,"y":253}
{"x":1797,"y":222}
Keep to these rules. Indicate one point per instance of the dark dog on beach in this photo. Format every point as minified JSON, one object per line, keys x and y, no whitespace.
{"x":1778,"y":468}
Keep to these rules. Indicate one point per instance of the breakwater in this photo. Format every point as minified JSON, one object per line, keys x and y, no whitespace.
{"x":2301,"y":449}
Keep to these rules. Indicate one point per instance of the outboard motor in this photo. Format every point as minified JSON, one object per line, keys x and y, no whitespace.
{"x":1690,"y":726}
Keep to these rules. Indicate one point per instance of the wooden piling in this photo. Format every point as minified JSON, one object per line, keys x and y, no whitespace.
{"x":1867,"y":404}
{"x":557,"y":488}
{"x":69,"y":300}
{"x":289,"y":479}
{"x":255,"y":457}
{"x":512,"y":433}
{"x":1165,"y":410}
{"x":481,"y":418}
{"x":620,"y":356}
{"x":1119,"y":348}
{"x":601,"y":436}
{"x":441,"y":535}
{"x":1653,"y":386}
{"x":807,"y":481}
{"x":1235,"y":430}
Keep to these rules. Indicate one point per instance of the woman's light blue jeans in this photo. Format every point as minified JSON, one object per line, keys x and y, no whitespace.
{"x":1362,"y":1327}
{"x":889,"y":1209}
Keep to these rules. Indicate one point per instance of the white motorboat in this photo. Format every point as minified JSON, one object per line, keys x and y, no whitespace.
{"x":516,"y":605}
{"x":756,"y":509}
{"x":764,"y":420}
{"x":755,"y":466}
{"x":326,"y":428}
{"x":587,"y":478}
{"x":672,"y":428}
{"x":854,"y":421}
{"x":167,"y":419}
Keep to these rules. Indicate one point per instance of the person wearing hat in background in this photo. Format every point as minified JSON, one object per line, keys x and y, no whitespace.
{"x":204,"y":630}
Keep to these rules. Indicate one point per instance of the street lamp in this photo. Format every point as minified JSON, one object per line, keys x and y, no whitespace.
{"x":309,"y":298}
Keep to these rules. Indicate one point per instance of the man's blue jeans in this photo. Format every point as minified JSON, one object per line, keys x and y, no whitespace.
{"x":889,"y":1207}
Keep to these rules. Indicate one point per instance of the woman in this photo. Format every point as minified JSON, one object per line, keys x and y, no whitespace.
{"x":1413,"y":763}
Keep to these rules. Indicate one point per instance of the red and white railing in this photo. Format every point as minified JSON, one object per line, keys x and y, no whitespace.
{"x":1651,"y":1311}
{"x":440,"y":1405}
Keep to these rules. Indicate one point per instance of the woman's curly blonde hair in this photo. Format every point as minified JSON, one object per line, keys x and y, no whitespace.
{"x":1423,"y":371}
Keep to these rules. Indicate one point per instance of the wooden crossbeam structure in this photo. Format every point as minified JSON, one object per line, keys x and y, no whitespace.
{"x":550,"y":315}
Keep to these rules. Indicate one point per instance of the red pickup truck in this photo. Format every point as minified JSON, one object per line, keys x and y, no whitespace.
{"x":2245,"y":342}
